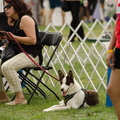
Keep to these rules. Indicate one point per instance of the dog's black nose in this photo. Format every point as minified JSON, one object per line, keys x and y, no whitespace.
{"x":62,"y":89}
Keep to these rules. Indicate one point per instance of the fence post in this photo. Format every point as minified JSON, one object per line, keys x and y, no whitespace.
{"x":108,"y":100}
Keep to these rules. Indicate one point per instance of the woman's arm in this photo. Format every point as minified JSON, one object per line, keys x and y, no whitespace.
{"x":27,"y":24}
{"x":112,"y":42}
{"x":110,"y":52}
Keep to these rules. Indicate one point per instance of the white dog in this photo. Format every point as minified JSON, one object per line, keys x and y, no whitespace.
{"x":74,"y":96}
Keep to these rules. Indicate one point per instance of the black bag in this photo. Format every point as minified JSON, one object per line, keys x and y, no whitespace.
{"x":65,"y":6}
{"x":8,"y":52}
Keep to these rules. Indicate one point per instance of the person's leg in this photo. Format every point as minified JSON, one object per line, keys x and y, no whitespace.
{"x":114,"y":90}
{"x":43,"y":16}
{"x":50,"y":15}
{"x":91,"y":8}
{"x":52,"y":6}
{"x":102,"y":4}
{"x":77,"y":19}
{"x":58,"y":3}
{"x":9,"y":70}
{"x":63,"y":17}
{"x":3,"y":96}
{"x":75,"y":9}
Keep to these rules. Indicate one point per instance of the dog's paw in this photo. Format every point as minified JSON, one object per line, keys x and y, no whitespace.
{"x":46,"y":110}
{"x":61,"y":102}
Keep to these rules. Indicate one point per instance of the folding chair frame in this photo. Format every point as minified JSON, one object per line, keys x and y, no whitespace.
{"x":35,"y":87}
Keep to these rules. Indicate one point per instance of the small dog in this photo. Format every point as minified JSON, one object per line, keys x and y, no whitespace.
{"x":74,"y":96}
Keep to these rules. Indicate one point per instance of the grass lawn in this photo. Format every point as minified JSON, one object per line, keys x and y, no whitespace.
{"x":34,"y":111}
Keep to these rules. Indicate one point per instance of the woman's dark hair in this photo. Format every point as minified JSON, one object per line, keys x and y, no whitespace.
{"x":20,"y":7}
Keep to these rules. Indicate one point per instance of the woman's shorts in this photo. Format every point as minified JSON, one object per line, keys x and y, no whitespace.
{"x":55,"y":3}
{"x":102,"y":1}
{"x":117,"y":59}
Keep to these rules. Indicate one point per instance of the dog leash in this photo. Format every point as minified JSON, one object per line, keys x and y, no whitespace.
{"x":21,"y":48}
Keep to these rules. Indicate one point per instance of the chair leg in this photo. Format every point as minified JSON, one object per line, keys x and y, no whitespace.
{"x":31,"y":84}
{"x":39,"y":81}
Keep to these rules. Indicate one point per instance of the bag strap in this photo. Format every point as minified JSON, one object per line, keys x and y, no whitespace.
{"x":16,"y":25}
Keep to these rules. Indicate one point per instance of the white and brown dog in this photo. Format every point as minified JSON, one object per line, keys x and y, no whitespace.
{"x":74,"y":96}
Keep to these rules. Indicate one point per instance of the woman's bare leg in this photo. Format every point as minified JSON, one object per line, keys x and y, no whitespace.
{"x":114,"y":90}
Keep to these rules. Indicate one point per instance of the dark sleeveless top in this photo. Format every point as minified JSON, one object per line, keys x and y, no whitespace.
{"x":33,"y":50}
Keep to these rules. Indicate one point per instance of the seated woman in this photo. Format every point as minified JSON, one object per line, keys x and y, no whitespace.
{"x":26,"y":33}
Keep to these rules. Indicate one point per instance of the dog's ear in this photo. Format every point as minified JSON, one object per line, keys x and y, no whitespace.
{"x":61,"y":75}
{"x":70,"y":74}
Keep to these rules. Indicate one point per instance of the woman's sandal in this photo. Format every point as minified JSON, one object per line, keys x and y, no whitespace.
{"x":13,"y":103}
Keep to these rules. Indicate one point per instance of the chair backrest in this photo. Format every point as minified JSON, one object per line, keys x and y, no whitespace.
{"x":50,"y":38}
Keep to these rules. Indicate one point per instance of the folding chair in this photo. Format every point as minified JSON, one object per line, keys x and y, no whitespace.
{"x":26,"y":81}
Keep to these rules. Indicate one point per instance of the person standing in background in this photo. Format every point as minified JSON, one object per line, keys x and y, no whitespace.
{"x":102,"y":4}
{"x":42,"y":13}
{"x":35,"y":4}
{"x":75,"y":12}
{"x":53,"y":5}
{"x":91,"y":7}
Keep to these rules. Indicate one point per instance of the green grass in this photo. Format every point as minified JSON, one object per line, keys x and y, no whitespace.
{"x":34,"y":111}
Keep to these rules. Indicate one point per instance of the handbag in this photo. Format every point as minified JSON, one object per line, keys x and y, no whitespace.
{"x":8,"y":52}
{"x":65,"y":6}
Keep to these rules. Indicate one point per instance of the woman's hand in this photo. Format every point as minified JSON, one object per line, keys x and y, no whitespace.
{"x":2,"y":35}
{"x":9,"y":36}
{"x":110,"y":60}
{"x":5,"y":35}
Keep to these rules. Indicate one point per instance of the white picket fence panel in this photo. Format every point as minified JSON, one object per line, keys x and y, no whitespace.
{"x":90,"y":56}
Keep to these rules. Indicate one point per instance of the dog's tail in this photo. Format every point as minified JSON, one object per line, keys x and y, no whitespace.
{"x":92,"y":97}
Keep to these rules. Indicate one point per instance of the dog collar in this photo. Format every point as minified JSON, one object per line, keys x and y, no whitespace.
{"x":68,"y":97}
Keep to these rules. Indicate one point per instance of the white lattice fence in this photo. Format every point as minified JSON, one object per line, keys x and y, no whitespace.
{"x":86,"y":58}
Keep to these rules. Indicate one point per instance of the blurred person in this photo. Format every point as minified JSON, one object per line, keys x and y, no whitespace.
{"x":81,"y":10}
{"x":42,"y":13}
{"x":26,"y":33}
{"x":113,"y":61}
{"x":53,"y":5}
{"x":35,"y":10}
{"x":28,"y":2}
{"x":102,"y":4}
{"x":109,"y":12}
{"x":89,"y":7}
{"x":109,"y":9}
{"x":85,"y":11}
{"x":75,"y":12}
